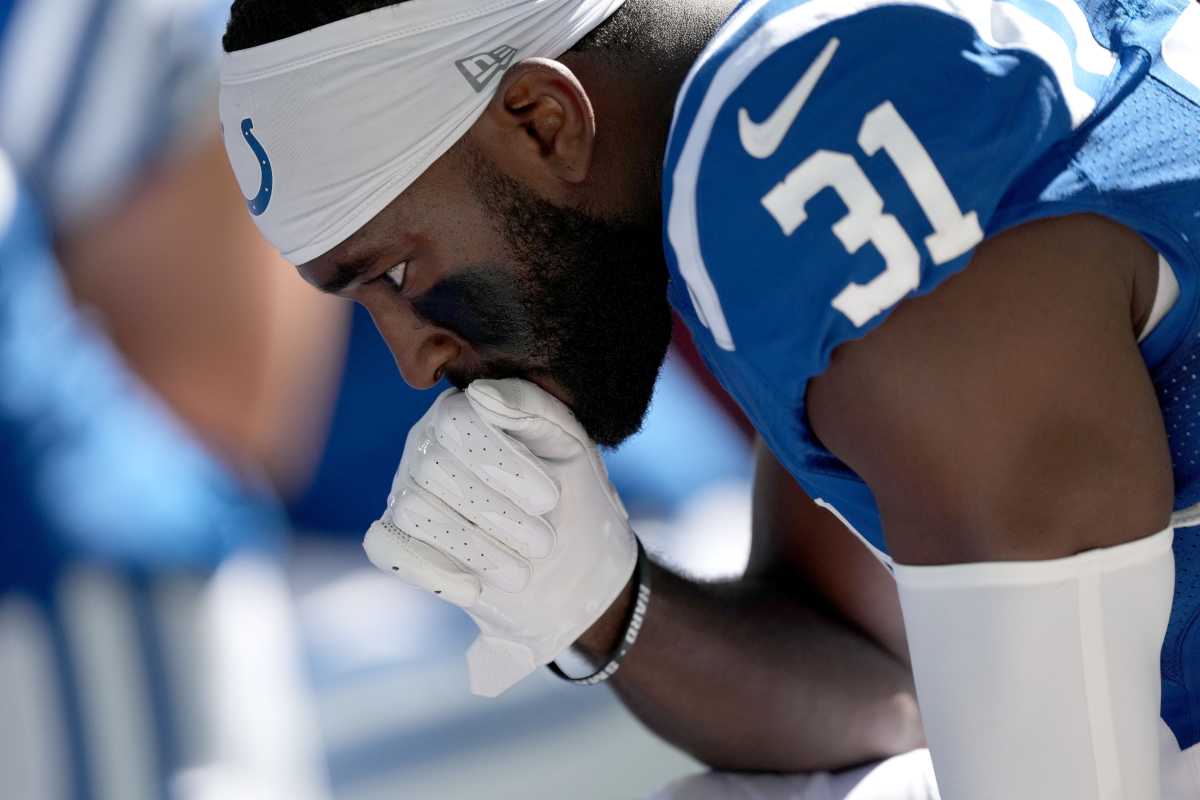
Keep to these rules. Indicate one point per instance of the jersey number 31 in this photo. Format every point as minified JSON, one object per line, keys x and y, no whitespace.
{"x":954,"y":233}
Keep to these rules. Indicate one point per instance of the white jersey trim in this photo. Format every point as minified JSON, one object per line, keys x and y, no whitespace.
{"x":8,"y":193}
{"x":41,"y":40}
{"x":35,"y":750}
{"x":1181,"y":45}
{"x":1165,"y":296}
{"x":1090,"y":55}
{"x":999,"y":23}
{"x":114,"y":687}
{"x":880,"y":556}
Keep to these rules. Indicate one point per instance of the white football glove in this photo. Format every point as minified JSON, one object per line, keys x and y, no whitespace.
{"x":501,"y":505}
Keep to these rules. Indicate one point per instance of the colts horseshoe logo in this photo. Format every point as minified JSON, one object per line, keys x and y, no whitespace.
{"x":258,"y":204}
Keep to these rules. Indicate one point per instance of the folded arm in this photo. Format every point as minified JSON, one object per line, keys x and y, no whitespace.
{"x":1008,"y":429}
{"x":768,"y":672}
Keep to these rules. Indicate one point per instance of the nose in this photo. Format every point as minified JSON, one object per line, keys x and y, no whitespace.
{"x":421,"y":350}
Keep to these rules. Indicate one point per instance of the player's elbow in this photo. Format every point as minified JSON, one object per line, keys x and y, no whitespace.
{"x":879,"y":730}
{"x":896,"y":728}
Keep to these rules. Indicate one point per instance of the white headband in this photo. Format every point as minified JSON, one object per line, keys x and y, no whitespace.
{"x":325,"y":128}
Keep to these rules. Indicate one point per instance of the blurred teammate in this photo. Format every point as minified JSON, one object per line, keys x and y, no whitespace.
{"x":138,"y":523}
{"x":824,"y":174}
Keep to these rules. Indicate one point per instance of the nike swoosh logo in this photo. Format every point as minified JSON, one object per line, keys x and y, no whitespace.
{"x":762,"y":139}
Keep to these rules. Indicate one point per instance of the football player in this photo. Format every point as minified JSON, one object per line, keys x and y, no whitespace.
{"x":139,"y":390}
{"x":942,"y":252}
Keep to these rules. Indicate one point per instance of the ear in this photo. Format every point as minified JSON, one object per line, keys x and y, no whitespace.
{"x":541,"y":122}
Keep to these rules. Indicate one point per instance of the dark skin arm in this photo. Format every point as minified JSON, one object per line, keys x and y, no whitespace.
{"x":210,"y":317}
{"x":759,"y":674}
{"x":1009,"y":415}
{"x":797,"y":541}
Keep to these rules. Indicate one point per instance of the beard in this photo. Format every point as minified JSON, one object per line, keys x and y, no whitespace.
{"x":585,"y":305}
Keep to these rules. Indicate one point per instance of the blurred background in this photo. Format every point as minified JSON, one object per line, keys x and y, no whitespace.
{"x":192,"y":443}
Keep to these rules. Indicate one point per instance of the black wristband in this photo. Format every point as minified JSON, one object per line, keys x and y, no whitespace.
{"x":633,"y":626}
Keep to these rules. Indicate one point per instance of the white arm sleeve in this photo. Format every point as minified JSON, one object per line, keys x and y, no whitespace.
{"x":1041,"y":680}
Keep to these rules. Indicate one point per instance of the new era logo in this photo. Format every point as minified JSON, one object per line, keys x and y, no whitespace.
{"x":480,"y":68}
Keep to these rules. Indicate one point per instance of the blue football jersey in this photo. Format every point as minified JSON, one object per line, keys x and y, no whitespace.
{"x":112,"y":514}
{"x":92,"y":91}
{"x":830,"y":158}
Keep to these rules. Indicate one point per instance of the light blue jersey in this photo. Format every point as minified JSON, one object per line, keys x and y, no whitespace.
{"x":831,"y":158}
{"x":92,"y":91}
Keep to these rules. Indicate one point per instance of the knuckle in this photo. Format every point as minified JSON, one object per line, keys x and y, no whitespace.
{"x":433,"y":526}
{"x":454,"y":419}
{"x":439,"y":473}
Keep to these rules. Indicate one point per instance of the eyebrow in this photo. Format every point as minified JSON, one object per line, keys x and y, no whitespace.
{"x":344,"y":274}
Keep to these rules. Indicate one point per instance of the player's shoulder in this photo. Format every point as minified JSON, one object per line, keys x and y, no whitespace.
{"x":882,"y":37}
{"x":918,"y":116}
{"x":118,"y":82}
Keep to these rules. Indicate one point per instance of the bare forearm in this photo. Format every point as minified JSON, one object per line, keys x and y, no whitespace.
{"x":210,"y":317}
{"x":750,"y":676}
